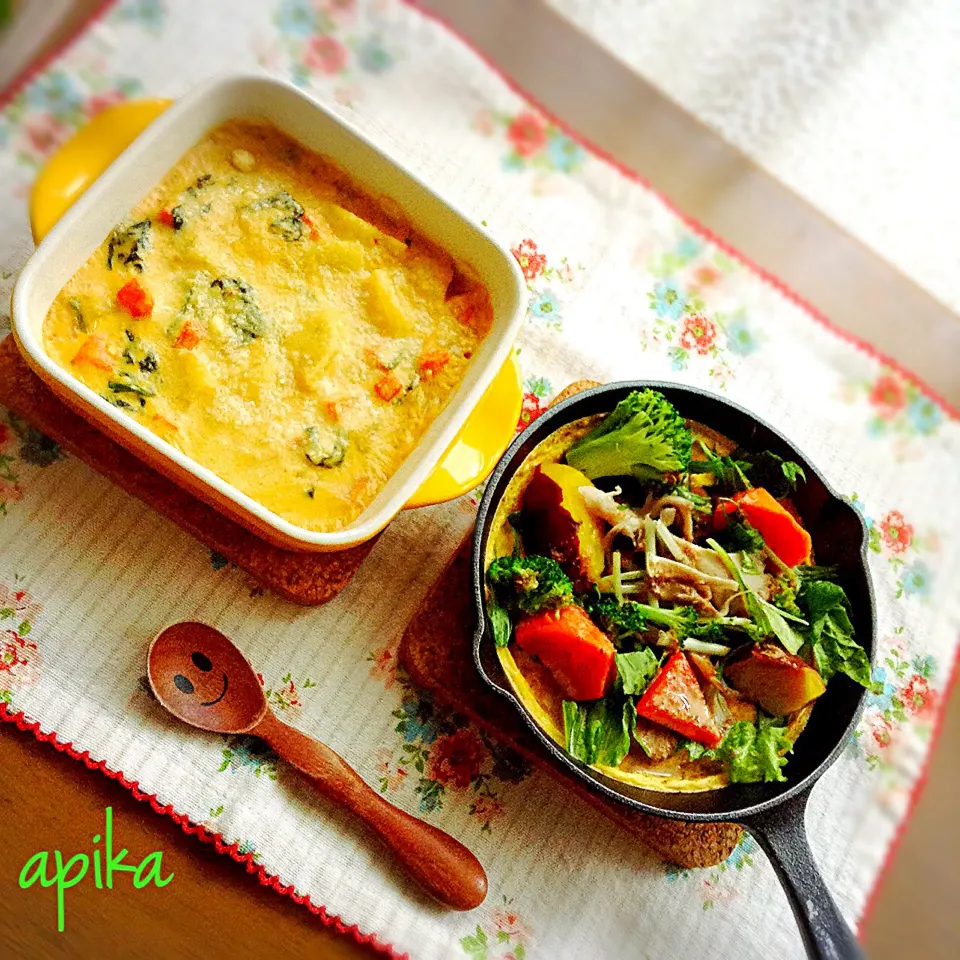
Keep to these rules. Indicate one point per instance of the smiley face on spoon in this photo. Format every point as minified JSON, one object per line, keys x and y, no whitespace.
{"x":202,"y":662}
{"x":202,"y":678}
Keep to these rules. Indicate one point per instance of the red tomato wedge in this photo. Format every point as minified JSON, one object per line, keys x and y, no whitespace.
{"x":135,"y":300}
{"x":572,"y":648}
{"x":166,"y":218}
{"x":778,"y":527}
{"x":675,"y":701}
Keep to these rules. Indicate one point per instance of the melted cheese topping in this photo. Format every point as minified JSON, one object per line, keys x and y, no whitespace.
{"x":274,"y":323}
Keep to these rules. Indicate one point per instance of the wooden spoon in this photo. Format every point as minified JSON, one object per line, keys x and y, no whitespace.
{"x":203,"y":679}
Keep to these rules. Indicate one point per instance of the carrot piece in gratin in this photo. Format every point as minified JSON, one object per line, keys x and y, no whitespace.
{"x":93,"y":352}
{"x":135,"y":300}
{"x":432,"y":363}
{"x":187,"y":337}
{"x":388,"y":387}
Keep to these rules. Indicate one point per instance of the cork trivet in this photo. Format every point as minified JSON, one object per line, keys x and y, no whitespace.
{"x":437,"y":652}
{"x":578,"y":386}
{"x":305,"y":578}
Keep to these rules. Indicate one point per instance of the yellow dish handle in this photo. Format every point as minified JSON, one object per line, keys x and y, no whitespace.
{"x":481,"y":440}
{"x":68,"y":173}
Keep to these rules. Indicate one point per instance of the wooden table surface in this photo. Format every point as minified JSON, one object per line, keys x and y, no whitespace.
{"x":213,"y":908}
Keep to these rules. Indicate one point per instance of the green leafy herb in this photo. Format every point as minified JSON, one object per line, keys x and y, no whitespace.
{"x":145,"y":360}
{"x":776,"y":623}
{"x":500,"y":622}
{"x":128,"y":244}
{"x":770,"y":471}
{"x":808,"y":572}
{"x":791,"y":471}
{"x":130,"y":386}
{"x":637,"y":669}
{"x":740,"y":535}
{"x":729,"y":474}
{"x":191,"y":207}
{"x":78,"y":319}
{"x":643,"y":437}
{"x":324,"y":448}
{"x":148,"y":363}
{"x":241,"y":309}
{"x":751,"y":752}
{"x":598,"y":731}
{"x":769,"y":619}
{"x":139,"y":355}
{"x":529,"y":584}
{"x":290,"y":224}
{"x":694,"y":749}
{"x":204,"y":180}
{"x":831,"y":634}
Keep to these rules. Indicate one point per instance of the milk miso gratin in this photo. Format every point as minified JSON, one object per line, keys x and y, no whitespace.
{"x":280,"y":327}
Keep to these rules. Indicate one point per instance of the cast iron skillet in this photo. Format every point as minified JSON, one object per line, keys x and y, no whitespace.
{"x":772,"y":812}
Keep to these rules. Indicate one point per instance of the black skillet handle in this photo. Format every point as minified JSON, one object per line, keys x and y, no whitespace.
{"x":782,"y":833}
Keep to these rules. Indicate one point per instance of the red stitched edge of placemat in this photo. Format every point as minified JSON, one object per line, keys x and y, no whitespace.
{"x":202,"y":833}
{"x":271,"y":880}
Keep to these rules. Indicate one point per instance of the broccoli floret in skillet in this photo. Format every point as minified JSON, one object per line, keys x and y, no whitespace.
{"x":643,"y":437}
{"x":621,"y":621}
{"x":529,"y":584}
{"x":680,"y":621}
{"x":617,"y":620}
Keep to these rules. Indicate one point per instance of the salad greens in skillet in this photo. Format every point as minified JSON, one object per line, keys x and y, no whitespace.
{"x":655,"y":602}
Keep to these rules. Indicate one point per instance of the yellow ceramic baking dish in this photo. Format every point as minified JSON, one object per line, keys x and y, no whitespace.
{"x":99,"y":187}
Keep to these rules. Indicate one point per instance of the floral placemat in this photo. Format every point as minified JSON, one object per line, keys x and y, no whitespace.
{"x":839,"y":109}
{"x":619,"y":285}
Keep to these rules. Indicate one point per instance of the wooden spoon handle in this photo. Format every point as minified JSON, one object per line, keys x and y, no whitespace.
{"x":444,"y":867}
